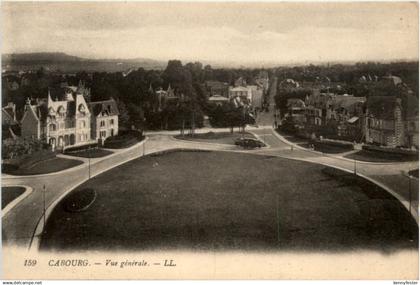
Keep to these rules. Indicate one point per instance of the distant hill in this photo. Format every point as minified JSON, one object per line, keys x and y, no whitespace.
{"x":67,"y":63}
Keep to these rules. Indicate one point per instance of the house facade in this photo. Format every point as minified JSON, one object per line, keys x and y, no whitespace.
{"x":104,"y":119}
{"x":65,"y":119}
{"x":163,"y":97}
{"x":384,"y":121}
{"x":296,"y":109}
{"x":343,"y":114}
{"x":61,"y":122}
{"x":217,"y":88}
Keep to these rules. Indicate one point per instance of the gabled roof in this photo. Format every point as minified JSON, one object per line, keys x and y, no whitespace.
{"x":239,"y":88}
{"x":218,"y":98}
{"x":105,"y":107}
{"x":10,"y":111}
{"x":394,"y":79}
{"x":347,"y":102}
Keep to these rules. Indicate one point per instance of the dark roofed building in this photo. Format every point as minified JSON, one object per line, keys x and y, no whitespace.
{"x":217,"y":88}
{"x":384,"y":125}
{"x":8,"y":116}
{"x":63,"y":121}
{"x":104,"y":120}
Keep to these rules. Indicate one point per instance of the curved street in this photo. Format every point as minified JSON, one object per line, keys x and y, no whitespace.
{"x":20,"y":223}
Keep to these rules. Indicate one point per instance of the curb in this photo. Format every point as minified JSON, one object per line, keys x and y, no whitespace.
{"x":334,"y":156}
{"x":17,"y":200}
{"x":80,"y":166}
{"x":35,"y":239}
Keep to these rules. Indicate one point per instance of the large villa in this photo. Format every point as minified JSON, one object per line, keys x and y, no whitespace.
{"x":65,"y":119}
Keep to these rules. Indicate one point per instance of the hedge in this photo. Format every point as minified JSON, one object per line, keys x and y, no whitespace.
{"x":333,"y":146}
{"x":406,"y":152}
{"x":79,"y":200}
{"x":28,"y":160}
{"x":80,"y":148}
{"x":124,"y":139}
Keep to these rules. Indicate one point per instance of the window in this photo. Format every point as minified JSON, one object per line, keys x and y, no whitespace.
{"x":52,"y":128}
{"x":111,"y":121}
{"x":102,"y":123}
{"x":102,"y":134}
{"x":112,"y":132}
{"x":82,"y":124}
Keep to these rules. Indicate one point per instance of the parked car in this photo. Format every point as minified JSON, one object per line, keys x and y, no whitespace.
{"x":249,"y":143}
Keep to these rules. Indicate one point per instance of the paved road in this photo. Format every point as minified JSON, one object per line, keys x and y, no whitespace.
{"x":19,"y":223}
{"x":267,"y":118}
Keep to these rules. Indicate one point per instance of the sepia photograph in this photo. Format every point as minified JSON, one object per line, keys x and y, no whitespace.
{"x":210,"y":140}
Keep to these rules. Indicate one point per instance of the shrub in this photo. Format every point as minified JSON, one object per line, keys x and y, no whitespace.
{"x":13,"y":148}
{"x":333,"y":146}
{"x":79,"y":200}
{"x":27,"y":160}
{"x":124,"y":139}
{"x":80,"y":148}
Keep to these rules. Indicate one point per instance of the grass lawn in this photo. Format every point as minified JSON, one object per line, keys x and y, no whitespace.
{"x":92,"y":153}
{"x":377,"y":156}
{"x":221,"y":200}
{"x":8,"y":194}
{"x":211,"y":137}
{"x":306,"y":143}
{"x":46,"y":166}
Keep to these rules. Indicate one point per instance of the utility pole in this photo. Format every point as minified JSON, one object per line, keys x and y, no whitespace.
{"x":89,"y":161}
{"x":44,"y":202}
{"x":409,"y":193}
{"x":193,"y":118}
{"x":144,"y":136}
{"x":355,"y":170}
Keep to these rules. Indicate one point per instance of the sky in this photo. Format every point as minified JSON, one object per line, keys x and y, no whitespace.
{"x":240,"y":32}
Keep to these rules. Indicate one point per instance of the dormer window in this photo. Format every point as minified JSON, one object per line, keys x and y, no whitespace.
{"x":61,"y":111}
{"x":82,"y":108}
{"x":51,"y":111}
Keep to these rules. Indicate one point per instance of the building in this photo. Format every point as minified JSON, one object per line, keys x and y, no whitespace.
{"x":240,"y":82}
{"x":217,"y":88}
{"x":104,"y":119}
{"x":63,"y":121}
{"x":410,"y":105}
{"x":296,"y":111}
{"x":251,"y":95}
{"x":164,"y":96}
{"x":241,"y":92}
{"x":9,"y":123}
{"x":8,"y":115}
{"x":344,"y":114}
{"x":384,"y":121}
{"x":218,"y":100}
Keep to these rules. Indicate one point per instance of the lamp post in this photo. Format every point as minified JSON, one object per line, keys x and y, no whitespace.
{"x":355,"y":170}
{"x":144,"y":136}
{"x":89,"y":161}
{"x":45,"y":208}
